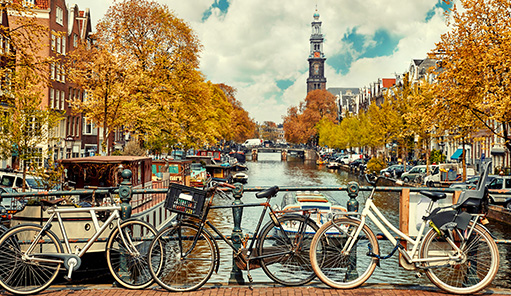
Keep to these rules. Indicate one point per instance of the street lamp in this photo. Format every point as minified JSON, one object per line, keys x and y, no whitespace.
{"x":69,"y":145}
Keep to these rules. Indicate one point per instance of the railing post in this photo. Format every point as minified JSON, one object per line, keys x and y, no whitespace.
{"x":352,"y":206}
{"x":125,"y":192}
{"x":237,"y":234}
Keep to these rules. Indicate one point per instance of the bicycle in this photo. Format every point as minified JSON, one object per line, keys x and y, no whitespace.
{"x":190,"y":254}
{"x":32,"y":255}
{"x":457,"y":253}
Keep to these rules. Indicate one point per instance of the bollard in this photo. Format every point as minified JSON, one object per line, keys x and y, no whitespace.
{"x":353,"y":189}
{"x":237,"y":234}
{"x":125,"y":191}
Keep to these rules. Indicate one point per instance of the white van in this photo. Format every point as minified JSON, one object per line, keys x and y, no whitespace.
{"x":441,"y":172}
{"x":250,"y":143}
{"x":15,"y":180}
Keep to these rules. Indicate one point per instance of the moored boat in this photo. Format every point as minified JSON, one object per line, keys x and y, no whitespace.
{"x":309,"y":200}
{"x":240,"y":177}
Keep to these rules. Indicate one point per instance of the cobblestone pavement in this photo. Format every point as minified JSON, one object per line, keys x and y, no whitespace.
{"x":258,"y":290}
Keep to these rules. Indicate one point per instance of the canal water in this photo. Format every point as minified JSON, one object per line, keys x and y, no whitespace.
{"x":269,"y":170}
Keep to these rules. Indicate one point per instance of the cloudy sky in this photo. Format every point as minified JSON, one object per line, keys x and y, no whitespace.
{"x":261,"y":47}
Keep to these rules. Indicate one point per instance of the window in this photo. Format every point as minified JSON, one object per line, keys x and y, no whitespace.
{"x":52,"y":71}
{"x":57,"y":99}
{"x":59,"y":16}
{"x":52,"y":98}
{"x":75,"y":40}
{"x":64,"y":44}
{"x":62,"y":99}
{"x":87,"y":126}
{"x":59,"y":44}
{"x":53,"y":41}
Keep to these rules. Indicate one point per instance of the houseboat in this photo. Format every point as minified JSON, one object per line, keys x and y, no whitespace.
{"x":102,"y":171}
{"x":177,"y":171}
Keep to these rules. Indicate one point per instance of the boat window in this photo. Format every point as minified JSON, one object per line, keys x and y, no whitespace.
{"x":174,"y":169}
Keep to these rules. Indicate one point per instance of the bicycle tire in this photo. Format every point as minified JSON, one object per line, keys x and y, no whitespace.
{"x":128,"y":267}
{"x":182,"y":266}
{"x":336,"y":269}
{"x":19,"y":275}
{"x":475,"y":271}
{"x":293,"y":268}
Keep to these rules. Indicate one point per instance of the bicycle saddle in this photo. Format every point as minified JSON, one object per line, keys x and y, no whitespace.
{"x":434,"y":196}
{"x":268,"y":192}
{"x":49,"y":203}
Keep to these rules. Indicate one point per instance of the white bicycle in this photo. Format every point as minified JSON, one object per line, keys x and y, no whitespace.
{"x":32,"y":255}
{"x":457,"y":253}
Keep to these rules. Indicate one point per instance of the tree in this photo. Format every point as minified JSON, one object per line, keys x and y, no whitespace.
{"x":242,"y":125}
{"x":300,"y":123}
{"x":473,"y":77}
{"x":385,"y":123}
{"x":25,"y":125}
{"x":158,"y":92}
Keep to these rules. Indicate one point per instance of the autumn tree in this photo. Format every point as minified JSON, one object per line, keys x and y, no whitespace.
{"x":385,"y":123}
{"x":159,"y":92}
{"x":242,"y":125}
{"x":473,"y":77}
{"x":26,"y":126}
{"x":300,"y":123}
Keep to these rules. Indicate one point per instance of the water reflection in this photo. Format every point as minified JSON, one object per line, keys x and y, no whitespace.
{"x":269,"y":170}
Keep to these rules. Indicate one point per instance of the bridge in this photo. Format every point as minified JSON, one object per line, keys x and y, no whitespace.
{"x":286,"y":153}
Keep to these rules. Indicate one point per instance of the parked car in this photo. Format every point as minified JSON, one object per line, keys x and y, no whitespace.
{"x":11,"y":204}
{"x":394,"y":171}
{"x":500,"y":183}
{"x":416,"y":171}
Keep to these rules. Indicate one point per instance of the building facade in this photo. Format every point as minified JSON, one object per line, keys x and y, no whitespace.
{"x":67,"y":26}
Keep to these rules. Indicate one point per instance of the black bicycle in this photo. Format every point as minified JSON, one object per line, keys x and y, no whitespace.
{"x":189,"y":253}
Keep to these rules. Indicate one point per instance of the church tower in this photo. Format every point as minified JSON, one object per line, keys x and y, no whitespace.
{"x":317,"y":58}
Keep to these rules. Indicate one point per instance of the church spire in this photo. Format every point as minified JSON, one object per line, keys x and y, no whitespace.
{"x":317,"y":58}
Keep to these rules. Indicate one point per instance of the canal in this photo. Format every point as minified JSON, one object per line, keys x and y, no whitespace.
{"x":269,"y":170}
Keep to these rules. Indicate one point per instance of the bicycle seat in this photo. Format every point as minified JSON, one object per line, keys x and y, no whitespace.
{"x":268,"y":192}
{"x":49,"y":203}
{"x":434,"y":196}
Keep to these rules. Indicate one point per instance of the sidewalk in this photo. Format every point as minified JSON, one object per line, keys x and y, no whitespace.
{"x":259,"y":289}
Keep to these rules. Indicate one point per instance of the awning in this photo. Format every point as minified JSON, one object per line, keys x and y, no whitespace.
{"x":496,"y":150}
{"x":457,"y":154}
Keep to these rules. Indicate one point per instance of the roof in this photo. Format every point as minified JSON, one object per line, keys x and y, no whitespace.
{"x":388,"y":82}
{"x":104,"y":159}
{"x":343,"y":90}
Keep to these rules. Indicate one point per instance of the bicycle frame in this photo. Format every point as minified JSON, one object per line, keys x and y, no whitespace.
{"x":56,"y":212}
{"x":370,"y":210}
{"x":254,"y":239}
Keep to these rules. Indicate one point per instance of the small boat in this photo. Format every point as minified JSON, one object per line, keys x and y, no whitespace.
{"x":240,"y":177}
{"x":333,"y":164}
{"x":307,"y":200}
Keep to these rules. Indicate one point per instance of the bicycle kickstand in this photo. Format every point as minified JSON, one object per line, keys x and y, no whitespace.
{"x":250,"y":280}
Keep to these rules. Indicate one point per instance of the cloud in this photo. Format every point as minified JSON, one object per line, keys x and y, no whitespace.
{"x":255,"y":45}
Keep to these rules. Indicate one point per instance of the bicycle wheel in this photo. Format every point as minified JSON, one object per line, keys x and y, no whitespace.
{"x":179,"y":264}
{"x":473,"y":272}
{"x":333,"y":266}
{"x":290,"y":266}
{"x":126,"y":253}
{"x":19,"y":274}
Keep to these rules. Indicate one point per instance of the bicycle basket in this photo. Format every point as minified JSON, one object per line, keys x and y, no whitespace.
{"x":185,"y":200}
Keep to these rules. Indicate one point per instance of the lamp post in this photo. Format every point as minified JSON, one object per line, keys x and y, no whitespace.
{"x":69,"y":146}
